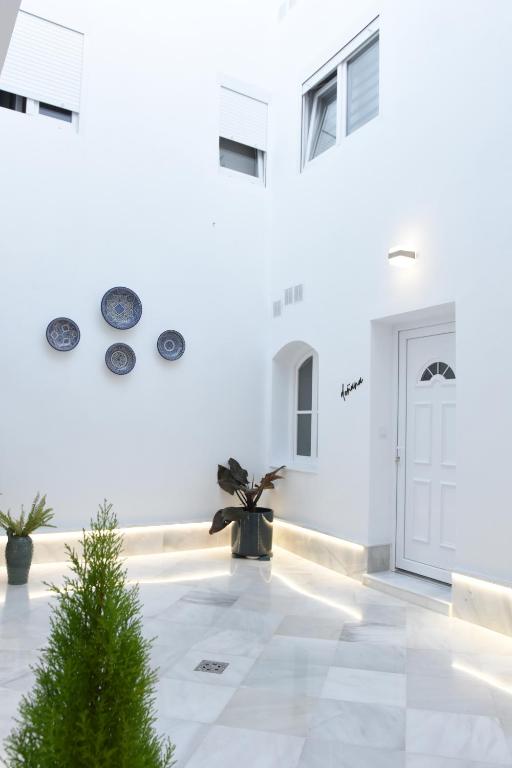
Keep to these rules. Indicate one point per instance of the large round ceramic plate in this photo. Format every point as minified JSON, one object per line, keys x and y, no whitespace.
{"x":121,"y":308}
{"x":171,"y":345}
{"x":63,"y":334}
{"x":120,"y":359}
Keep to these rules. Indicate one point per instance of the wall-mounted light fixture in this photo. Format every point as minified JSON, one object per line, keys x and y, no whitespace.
{"x":400,"y":257}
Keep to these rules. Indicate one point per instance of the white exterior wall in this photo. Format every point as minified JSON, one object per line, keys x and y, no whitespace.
{"x":132,"y":200}
{"x":136,"y":199}
{"x":432,"y":173}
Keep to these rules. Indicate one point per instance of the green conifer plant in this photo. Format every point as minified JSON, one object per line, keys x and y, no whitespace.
{"x":92,"y":704}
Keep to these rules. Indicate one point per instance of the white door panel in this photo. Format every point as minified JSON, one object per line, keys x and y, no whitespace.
{"x":426,"y":480}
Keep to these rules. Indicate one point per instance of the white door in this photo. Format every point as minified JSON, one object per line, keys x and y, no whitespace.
{"x":426,"y":481}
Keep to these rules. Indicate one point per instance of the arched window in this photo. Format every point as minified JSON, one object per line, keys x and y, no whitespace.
{"x":305,"y":416}
{"x":295,"y":406}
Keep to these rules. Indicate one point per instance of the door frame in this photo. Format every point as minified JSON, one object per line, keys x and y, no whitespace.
{"x":400,"y":425}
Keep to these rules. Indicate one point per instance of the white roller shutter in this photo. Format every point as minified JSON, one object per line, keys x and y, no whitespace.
{"x":44,"y":62}
{"x":243,"y":118}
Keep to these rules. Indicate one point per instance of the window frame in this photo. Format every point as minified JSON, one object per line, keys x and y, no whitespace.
{"x":299,"y":461}
{"x":334,"y":69}
{"x":32,"y":109}
{"x":261,"y":164}
{"x":316,"y":118}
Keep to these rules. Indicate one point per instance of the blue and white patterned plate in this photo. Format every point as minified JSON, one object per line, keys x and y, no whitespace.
{"x":63,"y":334}
{"x":171,"y":345}
{"x":120,"y":359}
{"x":121,"y":308}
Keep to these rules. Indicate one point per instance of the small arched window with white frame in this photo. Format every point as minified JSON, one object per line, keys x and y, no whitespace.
{"x":294,"y":426}
{"x":305,"y":432}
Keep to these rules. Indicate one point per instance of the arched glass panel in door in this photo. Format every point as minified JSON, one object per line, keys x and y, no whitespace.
{"x":438,"y":369}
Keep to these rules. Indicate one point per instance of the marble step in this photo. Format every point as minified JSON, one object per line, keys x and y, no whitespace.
{"x":413,"y":589}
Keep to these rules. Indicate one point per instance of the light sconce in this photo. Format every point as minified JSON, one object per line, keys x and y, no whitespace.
{"x":400,"y":257}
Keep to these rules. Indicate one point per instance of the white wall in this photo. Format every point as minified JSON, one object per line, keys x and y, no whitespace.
{"x":433,"y":172}
{"x":135,"y":198}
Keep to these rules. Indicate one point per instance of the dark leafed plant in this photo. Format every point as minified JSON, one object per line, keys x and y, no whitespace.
{"x":234,"y":479}
{"x":38,"y":517}
{"x":92,"y":705}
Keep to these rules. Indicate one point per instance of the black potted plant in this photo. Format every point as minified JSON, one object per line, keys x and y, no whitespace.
{"x":20,"y":547}
{"x":251,"y":533}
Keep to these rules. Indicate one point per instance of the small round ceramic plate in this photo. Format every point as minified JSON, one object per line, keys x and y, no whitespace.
{"x":171,"y":345}
{"x":63,"y":334}
{"x":121,"y":308}
{"x":120,"y":359}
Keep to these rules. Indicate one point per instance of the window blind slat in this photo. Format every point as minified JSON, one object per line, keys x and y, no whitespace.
{"x":243,"y":119}
{"x":363,"y":87}
{"x":44,"y":62}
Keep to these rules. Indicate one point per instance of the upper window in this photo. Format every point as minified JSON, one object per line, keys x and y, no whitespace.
{"x":57,"y":112}
{"x":241,"y":158}
{"x":322,"y":131}
{"x":363,"y":87}
{"x":242,"y":132}
{"x":342,"y":96}
{"x":42,"y":73}
{"x":13,"y":101}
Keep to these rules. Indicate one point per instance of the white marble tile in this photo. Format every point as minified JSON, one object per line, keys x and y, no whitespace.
{"x":333,"y":754}
{"x":373,"y":633}
{"x":9,"y":702}
{"x":184,"y":734}
{"x":453,"y":692}
{"x":367,"y":725}
{"x":469,"y":737}
{"x":191,"y":701}
{"x":264,"y":624}
{"x":233,"y":641}
{"x":302,"y":626}
{"x":429,"y":761}
{"x":305,"y":650}
{"x":482,"y":603}
{"x":364,"y":685}
{"x":287,"y":676}
{"x":224,"y":747}
{"x":376,"y":656}
{"x":264,"y":710}
{"x":437,"y":663}
{"x":328,"y":551}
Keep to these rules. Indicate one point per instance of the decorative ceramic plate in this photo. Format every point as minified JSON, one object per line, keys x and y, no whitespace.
{"x":171,"y":345}
{"x":120,"y":359}
{"x":121,"y":308}
{"x":63,"y":334}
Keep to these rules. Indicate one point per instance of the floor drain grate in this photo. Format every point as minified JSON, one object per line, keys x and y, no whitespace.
{"x":215,"y":667}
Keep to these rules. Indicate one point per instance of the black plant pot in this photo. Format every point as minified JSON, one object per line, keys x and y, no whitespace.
{"x":18,"y":556}
{"x":252,"y":536}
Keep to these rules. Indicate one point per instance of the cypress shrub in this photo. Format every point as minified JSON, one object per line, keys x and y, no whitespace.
{"x":92,"y":704}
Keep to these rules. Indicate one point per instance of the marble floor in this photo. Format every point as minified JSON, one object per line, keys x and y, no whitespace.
{"x":322,"y":672}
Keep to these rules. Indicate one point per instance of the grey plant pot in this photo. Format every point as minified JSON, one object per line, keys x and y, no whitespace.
{"x":18,"y":556}
{"x":252,"y":536}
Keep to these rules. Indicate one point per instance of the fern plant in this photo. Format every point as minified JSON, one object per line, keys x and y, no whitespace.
{"x":38,"y":517}
{"x":92,"y":705}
